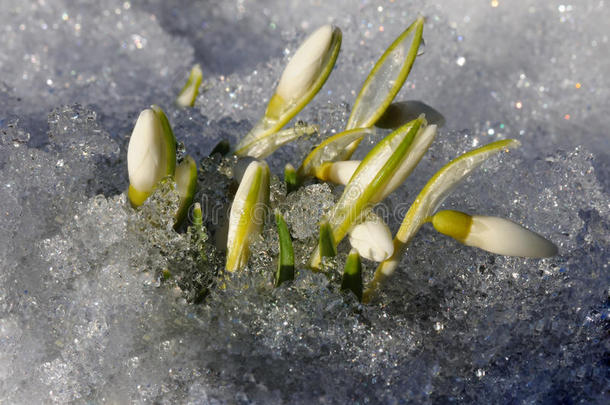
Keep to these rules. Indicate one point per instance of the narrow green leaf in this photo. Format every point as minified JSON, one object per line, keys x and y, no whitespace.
{"x":428,"y":200}
{"x":188,"y":94}
{"x":186,"y":183}
{"x":290,"y":178}
{"x":352,"y":274}
{"x":326,"y":242}
{"x":386,"y":78}
{"x":285,"y":266}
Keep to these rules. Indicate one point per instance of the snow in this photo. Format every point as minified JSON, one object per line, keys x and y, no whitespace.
{"x":100,"y":303}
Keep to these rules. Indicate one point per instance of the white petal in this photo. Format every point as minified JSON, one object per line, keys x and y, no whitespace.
{"x":146,"y":155}
{"x":372,"y":239}
{"x":341,"y":172}
{"x":303,"y":68}
{"x":504,"y":237}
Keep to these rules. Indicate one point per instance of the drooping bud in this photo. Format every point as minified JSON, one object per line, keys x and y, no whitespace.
{"x":493,"y":234}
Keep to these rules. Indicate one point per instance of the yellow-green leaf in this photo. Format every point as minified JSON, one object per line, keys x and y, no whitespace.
{"x":386,"y":78}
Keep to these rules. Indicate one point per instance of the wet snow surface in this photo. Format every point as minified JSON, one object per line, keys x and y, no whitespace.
{"x":86,"y":315}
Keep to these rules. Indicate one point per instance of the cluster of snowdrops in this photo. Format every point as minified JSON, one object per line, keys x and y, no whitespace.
{"x":152,"y":158}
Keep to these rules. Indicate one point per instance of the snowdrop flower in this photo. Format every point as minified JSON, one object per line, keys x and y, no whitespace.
{"x":151,"y":154}
{"x":247,"y":214}
{"x":426,"y":202}
{"x":304,"y":67}
{"x":301,"y":80}
{"x":493,"y":234}
{"x":372,"y":239}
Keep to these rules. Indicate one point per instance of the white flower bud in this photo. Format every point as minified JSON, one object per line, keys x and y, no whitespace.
{"x":306,"y":64}
{"x":372,"y":239}
{"x":151,"y":154}
{"x":493,"y":234}
{"x":303,"y":77}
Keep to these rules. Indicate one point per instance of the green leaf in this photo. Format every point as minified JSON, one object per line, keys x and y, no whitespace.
{"x":429,"y":199}
{"x":386,"y":78}
{"x":290,"y":178}
{"x":186,"y":183}
{"x":188,"y":94}
{"x":352,"y":274}
{"x":285,"y":266}
{"x":326,"y":242}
